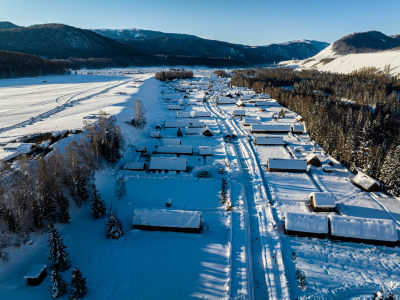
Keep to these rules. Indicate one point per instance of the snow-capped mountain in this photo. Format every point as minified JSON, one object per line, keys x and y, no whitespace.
{"x":354,"y":52}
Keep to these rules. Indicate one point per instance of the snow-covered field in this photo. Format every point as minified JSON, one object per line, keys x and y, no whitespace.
{"x":327,"y":60}
{"x":241,"y":253}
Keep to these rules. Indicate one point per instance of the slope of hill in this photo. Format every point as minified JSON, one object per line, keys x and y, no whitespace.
{"x":354,"y":52}
{"x":7,"y":25}
{"x":62,"y":41}
{"x":173,"y":44}
{"x":13,"y":64}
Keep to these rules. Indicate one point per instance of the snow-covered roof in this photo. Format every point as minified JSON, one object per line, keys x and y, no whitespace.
{"x":201,"y":114}
{"x":155,"y":134}
{"x":270,"y":140}
{"x":166,"y":218}
{"x":250,"y":121}
{"x":366,"y":182}
{"x":175,"y":149}
{"x":192,"y":131}
{"x":270,"y":127}
{"x":7,"y":155}
{"x":184,"y":114}
{"x":298,"y":127}
{"x":35,"y":271}
{"x":240,"y":103}
{"x":20,"y":147}
{"x":183,"y":123}
{"x":287,"y":164}
{"x":323,"y":199}
{"x":311,"y":223}
{"x":174,"y":107}
{"x":327,"y":168}
{"x":205,"y":150}
{"x":363,"y":228}
{"x":225,"y":100}
{"x":134,"y":165}
{"x":171,"y":141}
{"x":239,"y":112}
{"x":168,"y":163}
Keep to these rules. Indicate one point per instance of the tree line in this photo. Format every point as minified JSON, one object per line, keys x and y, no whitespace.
{"x":37,"y":193}
{"x":355,"y":118}
{"x":173,"y":74}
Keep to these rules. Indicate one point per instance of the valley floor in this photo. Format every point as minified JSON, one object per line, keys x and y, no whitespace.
{"x":242,"y":253}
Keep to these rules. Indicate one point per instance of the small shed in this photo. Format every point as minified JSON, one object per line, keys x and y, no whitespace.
{"x":155,"y":134}
{"x":207,"y":131}
{"x":298,"y":128}
{"x":205,"y":150}
{"x":239,"y":112}
{"x":36,"y":274}
{"x":323,"y":202}
{"x":366,"y":182}
{"x":270,"y":140}
{"x":270,"y":128}
{"x":306,"y":224}
{"x":363,"y":229}
{"x":175,"y":149}
{"x":286,"y":165}
{"x":171,"y":141}
{"x":312,"y":159}
{"x":240,"y":103}
{"x":167,"y":220}
{"x":168,"y":164}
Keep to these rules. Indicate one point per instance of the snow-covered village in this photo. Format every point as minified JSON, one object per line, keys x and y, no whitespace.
{"x":244,"y":150}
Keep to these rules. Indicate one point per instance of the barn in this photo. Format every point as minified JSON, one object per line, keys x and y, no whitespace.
{"x":286,"y":165}
{"x":368,"y":230}
{"x":323,"y":202}
{"x":167,"y":220}
{"x":365,"y":182}
{"x":269,"y":140}
{"x":302,"y":224}
{"x":168,"y":164}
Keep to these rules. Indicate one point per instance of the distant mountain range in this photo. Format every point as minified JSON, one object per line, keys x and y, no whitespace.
{"x":356,"y":51}
{"x":144,"y":47}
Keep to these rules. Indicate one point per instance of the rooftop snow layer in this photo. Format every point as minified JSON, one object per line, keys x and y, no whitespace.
{"x":205,"y":150}
{"x":168,"y":163}
{"x":166,"y":218}
{"x":175,"y":149}
{"x":35,"y":271}
{"x":311,"y":223}
{"x":270,"y":127}
{"x":287,"y":164}
{"x":363,"y":228}
{"x":323,"y":199}
{"x":270,"y":140}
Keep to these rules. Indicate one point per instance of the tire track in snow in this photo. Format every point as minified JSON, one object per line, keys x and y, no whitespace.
{"x":59,"y":108}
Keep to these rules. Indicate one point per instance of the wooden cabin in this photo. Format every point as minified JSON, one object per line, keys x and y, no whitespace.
{"x":367,"y":230}
{"x":365,"y":182}
{"x":304,"y":224}
{"x":286,"y":165}
{"x":167,"y":220}
{"x":35,"y":274}
{"x":168,"y":164}
{"x":312,"y":159}
{"x":323,"y":202}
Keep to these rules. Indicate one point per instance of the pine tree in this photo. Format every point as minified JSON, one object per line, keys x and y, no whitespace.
{"x":98,"y":206}
{"x":78,"y":285}
{"x":63,"y":208}
{"x":58,"y":285}
{"x":58,"y":254}
{"x":179,"y":132}
{"x":114,"y":228}
{"x":390,"y":171}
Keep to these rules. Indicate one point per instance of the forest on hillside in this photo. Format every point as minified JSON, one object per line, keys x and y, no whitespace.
{"x":355,"y":118}
{"x":14,"y":64}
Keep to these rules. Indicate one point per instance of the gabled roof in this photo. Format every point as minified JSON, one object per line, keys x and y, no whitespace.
{"x":311,"y":223}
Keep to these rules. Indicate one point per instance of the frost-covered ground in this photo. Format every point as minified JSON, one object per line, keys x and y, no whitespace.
{"x":240,"y":254}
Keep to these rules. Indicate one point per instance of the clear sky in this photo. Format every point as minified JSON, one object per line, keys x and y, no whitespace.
{"x":252,"y":22}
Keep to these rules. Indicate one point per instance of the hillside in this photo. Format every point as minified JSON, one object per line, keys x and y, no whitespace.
{"x":13,"y":64}
{"x":7,"y":25}
{"x":178,"y":45}
{"x":354,"y":52}
{"x":62,"y":42}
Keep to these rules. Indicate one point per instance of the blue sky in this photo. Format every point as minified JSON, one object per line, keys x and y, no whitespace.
{"x":252,"y":22}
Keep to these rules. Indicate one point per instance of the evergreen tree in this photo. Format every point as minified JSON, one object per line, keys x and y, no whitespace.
{"x":58,"y":285}
{"x":98,"y":206}
{"x":179,"y":132}
{"x":78,"y":285}
{"x":63,"y":208}
{"x":114,"y":228}
{"x":58,"y":254}
{"x":390,"y":171}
